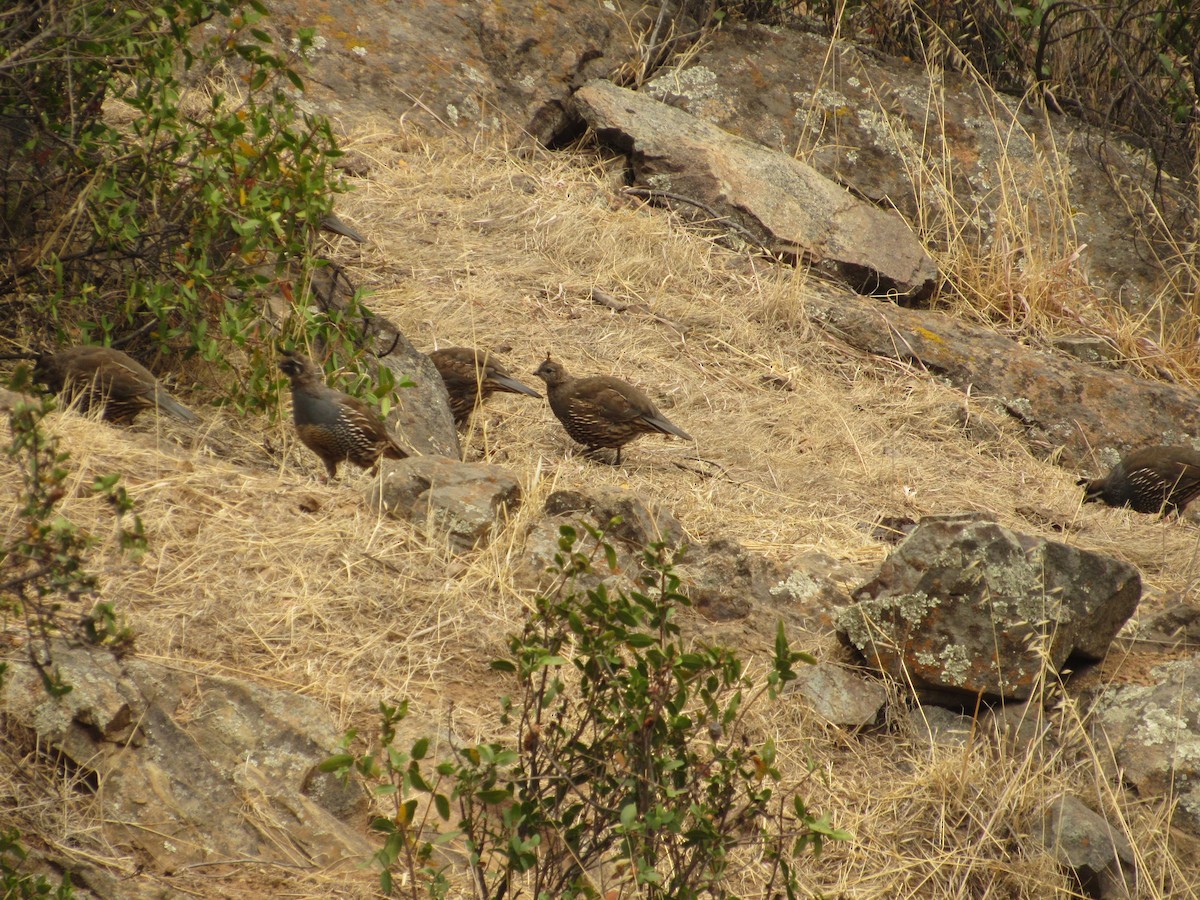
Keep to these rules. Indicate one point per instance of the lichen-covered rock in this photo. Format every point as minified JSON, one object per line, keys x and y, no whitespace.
{"x":966,"y":606}
{"x":861,"y":118}
{"x":467,"y":501}
{"x":839,"y":695}
{"x":1154,"y":733}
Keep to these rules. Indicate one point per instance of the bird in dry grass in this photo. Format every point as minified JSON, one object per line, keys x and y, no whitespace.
{"x":334,"y":425}
{"x":601,"y":411}
{"x":107,"y":378}
{"x":332,"y":223}
{"x":471,"y":376}
{"x":1150,"y":480}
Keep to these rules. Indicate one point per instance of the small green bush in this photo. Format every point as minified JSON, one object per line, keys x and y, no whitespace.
{"x":43,"y":567}
{"x":163,"y":183}
{"x":632,"y":764}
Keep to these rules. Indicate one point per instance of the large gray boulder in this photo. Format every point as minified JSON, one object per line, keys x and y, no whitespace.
{"x":966,"y":607}
{"x":787,"y":206}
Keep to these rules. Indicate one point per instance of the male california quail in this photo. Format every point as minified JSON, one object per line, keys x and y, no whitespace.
{"x":333,"y":425}
{"x":471,"y":376}
{"x":601,"y":411}
{"x":102,"y":376}
{"x":1149,"y":480}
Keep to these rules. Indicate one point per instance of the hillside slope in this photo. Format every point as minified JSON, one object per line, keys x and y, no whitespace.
{"x":258,"y":570}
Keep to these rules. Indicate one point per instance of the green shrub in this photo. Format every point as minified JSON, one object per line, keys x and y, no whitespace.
{"x":165,"y":183}
{"x":43,"y":561}
{"x":632,"y":763}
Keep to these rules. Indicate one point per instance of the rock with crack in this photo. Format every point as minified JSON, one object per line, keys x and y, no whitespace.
{"x":195,"y":768}
{"x":964,"y":606}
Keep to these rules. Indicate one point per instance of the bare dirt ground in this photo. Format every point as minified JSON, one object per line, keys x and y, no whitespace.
{"x":256,"y":569}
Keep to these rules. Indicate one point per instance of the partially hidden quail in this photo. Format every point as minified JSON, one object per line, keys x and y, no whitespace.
{"x":1149,"y":480}
{"x":101,"y":377}
{"x":332,"y":223}
{"x":334,"y":425}
{"x":601,"y":411}
{"x":471,"y":376}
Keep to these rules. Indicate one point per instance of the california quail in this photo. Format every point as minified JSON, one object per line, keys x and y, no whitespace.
{"x":333,"y":425}
{"x":471,"y":376}
{"x":1149,"y":480}
{"x":102,"y":376}
{"x":601,"y":411}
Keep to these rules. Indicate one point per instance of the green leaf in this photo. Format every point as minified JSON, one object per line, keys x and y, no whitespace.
{"x":336,"y":763}
{"x":442,"y":804}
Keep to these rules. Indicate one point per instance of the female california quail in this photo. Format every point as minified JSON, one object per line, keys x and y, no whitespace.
{"x":108,"y":378}
{"x":333,"y":425}
{"x":471,"y":376}
{"x":1149,"y":480}
{"x":601,"y":411}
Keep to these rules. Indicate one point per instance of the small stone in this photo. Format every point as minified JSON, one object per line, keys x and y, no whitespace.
{"x":840,"y":696}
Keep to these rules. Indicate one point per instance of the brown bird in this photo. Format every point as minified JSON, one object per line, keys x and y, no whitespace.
{"x":471,"y":376}
{"x":601,"y":411}
{"x":333,"y":425}
{"x":108,"y":378}
{"x":1149,"y":480}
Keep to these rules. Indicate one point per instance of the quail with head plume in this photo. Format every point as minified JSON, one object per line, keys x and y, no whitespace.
{"x":108,"y":378}
{"x":1149,"y":480}
{"x":334,"y":425}
{"x":601,"y":411}
{"x":471,"y":376}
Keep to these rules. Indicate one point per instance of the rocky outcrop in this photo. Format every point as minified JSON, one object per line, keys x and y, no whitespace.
{"x":724,"y":581}
{"x":466,"y":501}
{"x":967,"y":607}
{"x":470,"y":67}
{"x":195,"y":768}
{"x":786,"y":206}
{"x":874,"y":123}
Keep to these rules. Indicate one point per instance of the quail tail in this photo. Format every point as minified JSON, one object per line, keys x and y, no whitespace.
{"x":169,"y":404}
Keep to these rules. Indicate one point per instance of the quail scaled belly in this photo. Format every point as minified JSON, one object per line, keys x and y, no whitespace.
{"x":471,"y":376}
{"x":334,"y":425}
{"x":601,"y":411}
{"x":1149,"y":480}
{"x":108,"y":378}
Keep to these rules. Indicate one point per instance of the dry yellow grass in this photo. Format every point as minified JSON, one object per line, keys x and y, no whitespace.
{"x":488,"y":247}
